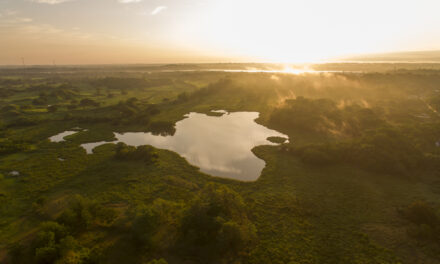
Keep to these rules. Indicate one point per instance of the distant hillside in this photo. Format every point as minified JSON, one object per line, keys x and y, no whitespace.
{"x":411,"y":56}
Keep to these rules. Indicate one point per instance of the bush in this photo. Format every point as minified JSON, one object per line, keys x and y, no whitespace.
{"x":155,"y":227}
{"x":421,"y":213}
{"x":142,"y":153}
{"x":84,"y":213}
{"x":216,"y":227}
{"x":426,"y":222}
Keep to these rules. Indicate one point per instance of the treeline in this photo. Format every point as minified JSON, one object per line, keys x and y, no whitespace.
{"x":115,"y":83}
{"x":222,"y":85}
{"x":383,"y":150}
{"x":126,"y":112}
{"x":357,"y":136}
{"x":211,"y":228}
{"x":324,"y":116}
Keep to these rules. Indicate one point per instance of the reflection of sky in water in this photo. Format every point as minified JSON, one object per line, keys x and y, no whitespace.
{"x":220,"y":146}
{"x":60,"y":137}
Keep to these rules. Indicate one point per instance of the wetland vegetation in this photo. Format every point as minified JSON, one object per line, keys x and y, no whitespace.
{"x":357,"y":181}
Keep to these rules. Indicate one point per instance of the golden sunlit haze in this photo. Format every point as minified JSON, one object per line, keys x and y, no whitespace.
{"x":163,"y":31}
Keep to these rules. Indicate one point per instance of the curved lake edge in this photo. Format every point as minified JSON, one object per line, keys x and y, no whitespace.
{"x":221,"y":145}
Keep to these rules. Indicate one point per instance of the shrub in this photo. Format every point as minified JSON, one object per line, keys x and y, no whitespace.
{"x":216,"y":226}
{"x":83,"y":213}
{"x":421,"y":213}
{"x":143,"y":153}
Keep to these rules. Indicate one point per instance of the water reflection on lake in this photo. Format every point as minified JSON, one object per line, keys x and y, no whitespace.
{"x":60,"y":137}
{"x":218,"y":145}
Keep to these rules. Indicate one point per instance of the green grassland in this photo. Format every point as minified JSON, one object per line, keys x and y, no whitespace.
{"x":359,"y":181}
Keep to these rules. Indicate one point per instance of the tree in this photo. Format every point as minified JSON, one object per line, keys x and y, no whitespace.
{"x":142,"y":153}
{"x":216,"y":226}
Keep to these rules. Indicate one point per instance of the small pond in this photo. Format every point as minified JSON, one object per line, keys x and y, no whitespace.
{"x":219,"y":145}
{"x":60,"y":137}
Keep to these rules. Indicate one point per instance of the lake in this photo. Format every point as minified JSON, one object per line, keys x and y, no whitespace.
{"x":219,"y":145}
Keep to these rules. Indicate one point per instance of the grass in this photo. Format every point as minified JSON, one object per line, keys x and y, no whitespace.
{"x":303,"y":213}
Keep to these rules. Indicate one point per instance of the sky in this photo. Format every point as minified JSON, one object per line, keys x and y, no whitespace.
{"x":186,"y":31}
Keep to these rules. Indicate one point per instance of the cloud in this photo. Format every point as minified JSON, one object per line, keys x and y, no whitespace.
{"x":50,"y":2}
{"x":129,"y":1}
{"x":158,"y":9}
{"x":9,"y":12}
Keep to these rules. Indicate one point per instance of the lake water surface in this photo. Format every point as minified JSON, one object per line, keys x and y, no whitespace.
{"x":60,"y":137}
{"x":218,"y":145}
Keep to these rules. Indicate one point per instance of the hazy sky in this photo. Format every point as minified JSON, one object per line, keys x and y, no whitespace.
{"x":164,"y":31}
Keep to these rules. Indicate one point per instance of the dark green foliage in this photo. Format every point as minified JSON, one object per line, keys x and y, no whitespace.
{"x":315,"y":155}
{"x":55,"y":242}
{"x":157,"y":261}
{"x":52,"y":108}
{"x":121,"y":83}
{"x":62,"y":94}
{"x":182,"y":98}
{"x":304,"y":114}
{"x":39,"y":101}
{"x":421,"y":213}
{"x":163,"y":128}
{"x":324,"y":116}
{"x":382,"y":150}
{"x":10,"y":107}
{"x":155,"y":227}
{"x":127,"y":110}
{"x":8,"y":146}
{"x":5,"y":93}
{"x":278,"y":140}
{"x":353,"y":129}
{"x":89,"y":103}
{"x":146,"y":154}
{"x":46,"y":244}
{"x":22,"y":121}
{"x":426,"y":221}
{"x":16,"y":252}
{"x":153,"y":109}
{"x":83,"y":213}
{"x":144,"y":228}
{"x":216,"y":227}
